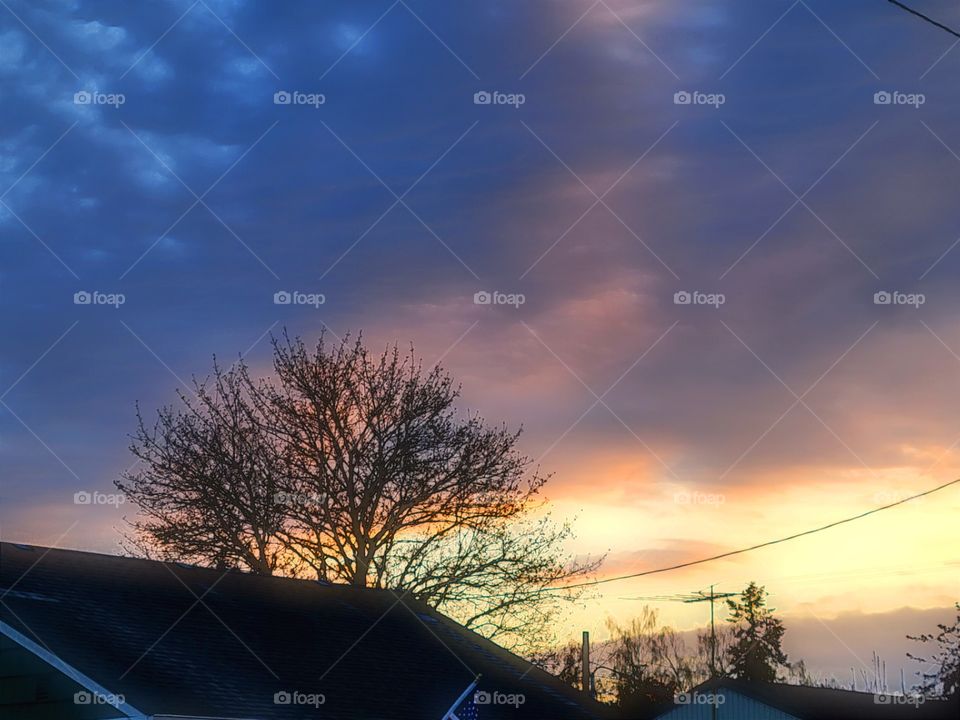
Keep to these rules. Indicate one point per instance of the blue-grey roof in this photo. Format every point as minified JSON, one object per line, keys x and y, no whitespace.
{"x":184,"y":640}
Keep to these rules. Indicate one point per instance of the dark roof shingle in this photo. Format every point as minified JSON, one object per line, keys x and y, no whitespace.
{"x":192,"y":641}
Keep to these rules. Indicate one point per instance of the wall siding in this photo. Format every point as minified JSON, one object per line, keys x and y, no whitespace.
{"x":735,"y":707}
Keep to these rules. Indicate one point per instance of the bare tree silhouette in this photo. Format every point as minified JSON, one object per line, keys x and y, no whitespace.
{"x":945,"y":678}
{"x":358,"y":468}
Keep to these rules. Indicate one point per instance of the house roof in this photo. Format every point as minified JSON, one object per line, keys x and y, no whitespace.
{"x":184,"y":640}
{"x":820,"y":703}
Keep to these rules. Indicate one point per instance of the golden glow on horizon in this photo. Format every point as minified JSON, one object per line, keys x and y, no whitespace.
{"x":903,"y":556}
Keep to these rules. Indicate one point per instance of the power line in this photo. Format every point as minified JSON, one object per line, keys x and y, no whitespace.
{"x":756,"y":547}
{"x":924,"y":17}
{"x":820,"y":578}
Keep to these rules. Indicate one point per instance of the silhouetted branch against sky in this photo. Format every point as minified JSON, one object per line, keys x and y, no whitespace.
{"x":355,"y":467}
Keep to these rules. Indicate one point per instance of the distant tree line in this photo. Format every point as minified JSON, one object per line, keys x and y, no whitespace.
{"x":645,"y":664}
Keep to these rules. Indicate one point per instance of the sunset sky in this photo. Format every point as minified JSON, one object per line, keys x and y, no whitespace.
{"x":673,"y":431}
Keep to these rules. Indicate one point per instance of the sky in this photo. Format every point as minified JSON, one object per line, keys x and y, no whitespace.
{"x":718,"y":240}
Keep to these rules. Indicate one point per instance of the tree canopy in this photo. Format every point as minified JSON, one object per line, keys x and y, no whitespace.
{"x":359,"y":468}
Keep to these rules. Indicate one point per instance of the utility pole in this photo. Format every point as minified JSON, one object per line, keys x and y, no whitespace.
{"x":712,"y":597}
{"x":585,"y":664}
{"x":700,"y":596}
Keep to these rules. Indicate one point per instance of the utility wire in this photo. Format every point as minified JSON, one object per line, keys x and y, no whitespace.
{"x":756,"y":547}
{"x":924,"y":17}
{"x":820,"y":578}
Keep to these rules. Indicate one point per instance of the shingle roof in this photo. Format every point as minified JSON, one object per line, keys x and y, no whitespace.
{"x":819,"y":703}
{"x":137,"y":627}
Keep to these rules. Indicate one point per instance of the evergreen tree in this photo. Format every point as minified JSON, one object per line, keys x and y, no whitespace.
{"x":756,"y":652}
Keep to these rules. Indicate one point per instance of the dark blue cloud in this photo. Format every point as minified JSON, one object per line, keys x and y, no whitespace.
{"x":292,"y":199}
